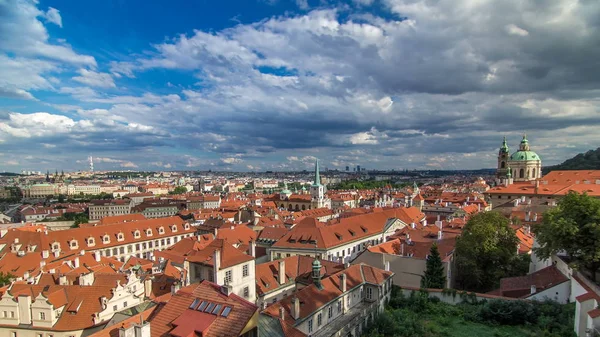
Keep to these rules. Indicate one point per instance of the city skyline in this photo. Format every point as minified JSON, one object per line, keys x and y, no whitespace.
{"x":272,"y":84}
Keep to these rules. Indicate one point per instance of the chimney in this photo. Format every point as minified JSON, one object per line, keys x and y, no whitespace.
{"x":42,"y":264}
{"x":82,"y":252}
{"x":295,"y":308}
{"x":534,"y":217}
{"x":97,"y":256}
{"x":76,"y":262}
{"x":282,"y":313}
{"x":439,"y":235}
{"x":16,"y":240}
{"x":413,"y":225}
{"x":282,"y":278}
{"x":439,"y":224}
{"x":148,"y":286}
{"x":527,"y":215}
{"x":24,"y":304}
{"x":142,"y":329}
{"x":216,"y":265}
{"x":126,"y":332}
{"x":343,"y":282}
{"x":45,"y":254}
{"x":56,"y":253}
{"x":533,"y":289}
{"x":62,"y":280}
{"x":216,"y":232}
{"x":175,"y":288}
{"x":227,"y":290}
{"x":252,"y":249}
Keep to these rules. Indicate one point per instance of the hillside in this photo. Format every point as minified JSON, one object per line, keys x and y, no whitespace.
{"x":583,"y":161}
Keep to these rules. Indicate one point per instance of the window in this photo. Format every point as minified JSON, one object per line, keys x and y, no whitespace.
{"x":115,"y":308}
{"x":310,"y":326}
{"x":12,"y":314}
{"x":369,"y":293}
{"x":13,"y":334}
{"x":339,"y":306}
{"x":106,"y":239}
{"x":245,"y":271}
{"x":319,"y":319}
{"x":149,"y":232}
{"x":4,"y":314}
{"x":136,"y":234}
{"x":329,"y":312}
{"x":120,"y":237}
{"x":228,"y":277}
{"x":125,"y":304}
{"x":246,"y":292}
{"x":91,"y":241}
{"x":161,"y":230}
{"x":174,"y":228}
{"x":42,"y":316}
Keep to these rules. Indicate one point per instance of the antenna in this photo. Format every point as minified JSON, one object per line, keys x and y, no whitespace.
{"x":91,"y":160}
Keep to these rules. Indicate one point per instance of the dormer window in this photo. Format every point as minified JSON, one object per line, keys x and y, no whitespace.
{"x":136,"y":234}
{"x":148,"y":232}
{"x":73,"y":244}
{"x":173,"y":228}
{"x":161,"y":230}
{"x":56,"y":246}
{"x":91,"y":241}
{"x":120,"y":237}
{"x":186,"y":226}
{"x":106,"y":239}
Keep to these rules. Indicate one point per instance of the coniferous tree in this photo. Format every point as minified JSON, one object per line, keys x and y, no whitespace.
{"x":434,"y":274}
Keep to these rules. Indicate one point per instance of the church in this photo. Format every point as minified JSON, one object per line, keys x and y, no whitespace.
{"x":317,"y":198}
{"x":522,"y":165}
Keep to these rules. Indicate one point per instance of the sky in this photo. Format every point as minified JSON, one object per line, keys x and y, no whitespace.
{"x":254,"y":85}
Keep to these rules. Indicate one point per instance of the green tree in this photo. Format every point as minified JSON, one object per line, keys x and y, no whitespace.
{"x":5,"y":278}
{"x":486,"y":251}
{"x":573,"y":226}
{"x":179,"y":190}
{"x":434,"y":274}
{"x":61,"y":198}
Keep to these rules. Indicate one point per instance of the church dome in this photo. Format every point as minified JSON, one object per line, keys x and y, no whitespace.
{"x":524,"y":156}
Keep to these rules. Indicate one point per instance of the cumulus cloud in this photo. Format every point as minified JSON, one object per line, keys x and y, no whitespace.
{"x":53,"y":16}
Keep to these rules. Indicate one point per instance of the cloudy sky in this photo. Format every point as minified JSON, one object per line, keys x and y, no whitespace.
{"x":272,"y":84}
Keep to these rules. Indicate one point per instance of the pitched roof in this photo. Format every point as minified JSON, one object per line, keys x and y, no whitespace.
{"x":520,"y":286}
{"x":312,"y":298}
{"x":176,"y":318}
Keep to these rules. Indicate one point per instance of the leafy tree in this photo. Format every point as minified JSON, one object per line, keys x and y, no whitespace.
{"x":179,"y":190}
{"x":5,"y":278}
{"x":434,"y":274}
{"x":573,"y":226}
{"x":486,"y":251}
{"x":61,"y":198}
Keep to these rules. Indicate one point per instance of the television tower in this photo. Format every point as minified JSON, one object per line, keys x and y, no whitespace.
{"x":91,"y":164}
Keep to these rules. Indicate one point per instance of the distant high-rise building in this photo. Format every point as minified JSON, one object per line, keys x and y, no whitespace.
{"x":347,"y":168}
{"x":357,"y":168}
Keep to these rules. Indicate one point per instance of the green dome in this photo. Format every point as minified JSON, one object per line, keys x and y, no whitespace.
{"x":524,"y":156}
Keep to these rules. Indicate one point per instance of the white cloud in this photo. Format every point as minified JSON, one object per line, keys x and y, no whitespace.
{"x":95,"y":79}
{"x":302,"y":4}
{"x":231,"y":160}
{"x":128,"y":164}
{"x":514,"y":30}
{"x":53,"y":15}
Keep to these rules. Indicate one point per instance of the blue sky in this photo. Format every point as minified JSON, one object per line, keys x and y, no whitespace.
{"x":273,"y":84}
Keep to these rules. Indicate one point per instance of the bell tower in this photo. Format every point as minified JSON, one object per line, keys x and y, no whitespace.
{"x":503,"y":158}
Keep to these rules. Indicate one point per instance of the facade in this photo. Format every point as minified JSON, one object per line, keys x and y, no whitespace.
{"x":99,"y":209}
{"x":523,"y":165}
{"x":345,"y":238}
{"x":83,"y":189}
{"x":40,"y":191}
{"x":343,"y":304}
{"x":153,"y":209}
{"x":315,"y":198}
{"x":121,"y":240}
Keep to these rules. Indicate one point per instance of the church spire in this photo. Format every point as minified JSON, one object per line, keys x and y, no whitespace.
{"x":317,"y":176}
{"x":504,"y":147}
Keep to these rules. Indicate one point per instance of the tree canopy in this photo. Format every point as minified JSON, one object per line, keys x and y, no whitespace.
{"x":179,"y":190}
{"x":573,"y":226}
{"x":486,"y":251}
{"x":434,"y":276}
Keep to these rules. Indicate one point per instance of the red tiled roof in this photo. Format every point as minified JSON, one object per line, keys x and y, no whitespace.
{"x":542,"y":279}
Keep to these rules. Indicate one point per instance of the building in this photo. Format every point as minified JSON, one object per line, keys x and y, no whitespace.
{"x":208,"y":310}
{"x":99,"y":209}
{"x":83,"y":189}
{"x":343,"y":304}
{"x":316,"y":198}
{"x":121,"y":240}
{"x":40,"y":191}
{"x":524,"y":164}
{"x":343,"y":239}
{"x":277,"y":279}
{"x":152,"y":209}
{"x":216,"y":261}
{"x":317,"y":191}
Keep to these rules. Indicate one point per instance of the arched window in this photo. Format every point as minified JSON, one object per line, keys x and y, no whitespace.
{"x":533,"y":174}
{"x":502,"y":165}
{"x":297,"y":208}
{"x":522,"y":173}
{"x":106,"y":239}
{"x":173,"y":228}
{"x":161,"y":230}
{"x":303,"y":207}
{"x":136,"y":234}
{"x":120,"y":237}
{"x":91,"y":241}
{"x":148,"y":232}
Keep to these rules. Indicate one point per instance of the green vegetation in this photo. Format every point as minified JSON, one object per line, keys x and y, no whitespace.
{"x":5,"y":278}
{"x":486,"y":251}
{"x":79,"y":218}
{"x":434,"y":274}
{"x":179,"y":190}
{"x":574,"y":227}
{"x":420,"y":315}
{"x":583,"y":161}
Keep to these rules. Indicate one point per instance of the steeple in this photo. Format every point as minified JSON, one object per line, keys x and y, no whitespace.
{"x":316,"y":273}
{"x":504,"y":147}
{"x":317,"y":176}
{"x":524,"y":144}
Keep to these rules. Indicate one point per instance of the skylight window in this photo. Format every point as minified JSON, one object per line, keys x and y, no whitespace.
{"x":226,"y":311}
{"x":217,"y":309}
{"x":195,"y":303}
{"x":210,"y":307}
{"x":202,"y":306}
